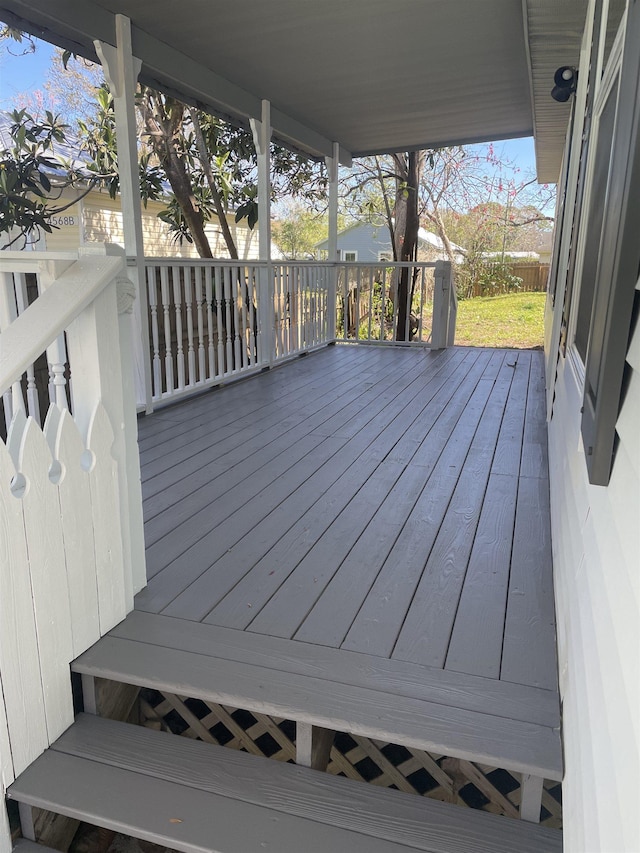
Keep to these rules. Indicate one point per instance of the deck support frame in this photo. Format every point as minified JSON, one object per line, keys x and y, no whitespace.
{"x":313,"y":746}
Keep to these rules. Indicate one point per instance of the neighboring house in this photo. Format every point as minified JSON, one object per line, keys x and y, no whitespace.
{"x":97,"y":218}
{"x":368,"y":243}
{"x":507,"y":56}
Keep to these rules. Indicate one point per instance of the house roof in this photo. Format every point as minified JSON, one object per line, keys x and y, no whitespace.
{"x":371,"y":75}
{"x":423,"y":235}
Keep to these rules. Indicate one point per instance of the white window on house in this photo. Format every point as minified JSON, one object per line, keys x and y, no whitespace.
{"x":348,"y":255}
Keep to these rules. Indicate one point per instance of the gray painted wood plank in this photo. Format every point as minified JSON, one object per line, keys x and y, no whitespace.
{"x":535,"y":459}
{"x":237,"y":417}
{"x":489,"y":696}
{"x":497,"y":741}
{"x":248,"y":395}
{"x":227,"y":427}
{"x":403,"y":819}
{"x":284,"y":612}
{"x":181,"y":817}
{"x":23,"y":845}
{"x":328,"y":622}
{"x":267,"y":518}
{"x":242,"y":460}
{"x":249,"y":457}
{"x":194,"y":547}
{"x":476,"y":639}
{"x":343,"y":814}
{"x":426,"y":630}
{"x":161,"y":553}
{"x":506,"y":459}
{"x":237,"y":607}
{"x":529,"y":651}
{"x":377,"y":625}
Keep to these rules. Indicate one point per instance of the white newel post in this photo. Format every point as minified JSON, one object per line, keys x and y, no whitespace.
{"x":262,"y":139}
{"x":332,"y":170}
{"x":441,"y":294}
{"x":121,"y":70}
{"x":99,"y":348}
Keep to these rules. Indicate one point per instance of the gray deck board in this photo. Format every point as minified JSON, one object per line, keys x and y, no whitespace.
{"x":361,"y":505}
{"x":266,"y":576}
{"x":447,"y":730}
{"x":195,"y":796}
{"x":486,"y":695}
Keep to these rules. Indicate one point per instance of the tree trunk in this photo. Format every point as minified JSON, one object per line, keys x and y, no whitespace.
{"x":407,"y":239}
{"x":217,"y":200}
{"x":163,"y":123}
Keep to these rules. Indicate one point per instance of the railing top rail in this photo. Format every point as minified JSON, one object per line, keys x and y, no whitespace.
{"x":232,"y":262}
{"x":25,"y":262}
{"x":32,"y":332}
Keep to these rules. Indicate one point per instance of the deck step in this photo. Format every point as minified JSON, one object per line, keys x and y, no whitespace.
{"x":483,"y":720}
{"x":23,"y":845}
{"x":193,"y":796}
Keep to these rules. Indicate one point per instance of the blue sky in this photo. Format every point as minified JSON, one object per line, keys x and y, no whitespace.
{"x":28,"y":73}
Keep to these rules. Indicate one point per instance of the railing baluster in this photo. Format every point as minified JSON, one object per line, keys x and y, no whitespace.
{"x":22,"y":303}
{"x":228,"y":318}
{"x":278,"y":309}
{"x":220,"y":326}
{"x":57,"y":359}
{"x":211,"y":332}
{"x":168,"y":352}
{"x":243,"y":311}
{"x":200,"y":319}
{"x":177,"y":300}
{"x":237,"y":322}
{"x":292,"y":310}
{"x":188,"y":301}
{"x":152,"y":291}
{"x":253,"y":343}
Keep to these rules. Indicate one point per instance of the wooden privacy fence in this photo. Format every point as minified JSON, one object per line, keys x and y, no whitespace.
{"x":495,"y":278}
{"x":71,"y":549}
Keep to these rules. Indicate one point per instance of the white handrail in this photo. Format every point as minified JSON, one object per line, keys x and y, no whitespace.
{"x":30,"y":334}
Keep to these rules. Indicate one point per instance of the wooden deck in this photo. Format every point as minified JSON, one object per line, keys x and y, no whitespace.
{"x":391,"y":502}
{"x":371,"y":526}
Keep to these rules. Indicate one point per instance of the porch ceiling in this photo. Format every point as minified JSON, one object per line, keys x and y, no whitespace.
{"x":373,"y":75}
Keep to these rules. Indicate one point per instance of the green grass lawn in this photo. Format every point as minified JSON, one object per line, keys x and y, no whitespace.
{"x":514,"y":320}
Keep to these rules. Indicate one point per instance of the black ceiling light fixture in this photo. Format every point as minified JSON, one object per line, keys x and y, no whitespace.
{"x":566,"y":80}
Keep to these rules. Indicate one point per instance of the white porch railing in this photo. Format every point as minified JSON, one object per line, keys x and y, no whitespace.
{"x":214,"y":320}
{"x":71,"y":540}
{"x":406,"y":303}
{"x":205,"y":325}
{"x":301,"y":307}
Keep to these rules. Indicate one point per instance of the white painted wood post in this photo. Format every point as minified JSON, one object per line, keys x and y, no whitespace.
{"x":313,"y":746}
{"x":99,"y":346}
{"x":442,"y":284}
{"x":530,"y":797}
{"x":262,"y":139}
{"x":121,"y":70}
{"x":332,"y":170}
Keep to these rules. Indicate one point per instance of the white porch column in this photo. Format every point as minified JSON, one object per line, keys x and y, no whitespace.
{"x":262,"y":139}
{"x":121,"y":71}
{"x":332,"y":170}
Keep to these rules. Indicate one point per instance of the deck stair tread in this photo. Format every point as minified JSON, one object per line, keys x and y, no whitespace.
{"x":193,"y":796}
{"x":501,"y":724}
{"x":23,"y":845}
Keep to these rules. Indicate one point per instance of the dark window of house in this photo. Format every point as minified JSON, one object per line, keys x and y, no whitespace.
{"x":617,"y":271}
{"x":599,"y":185}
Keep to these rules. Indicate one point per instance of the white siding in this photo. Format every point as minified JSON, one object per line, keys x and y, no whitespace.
{"x":596,"y":544}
